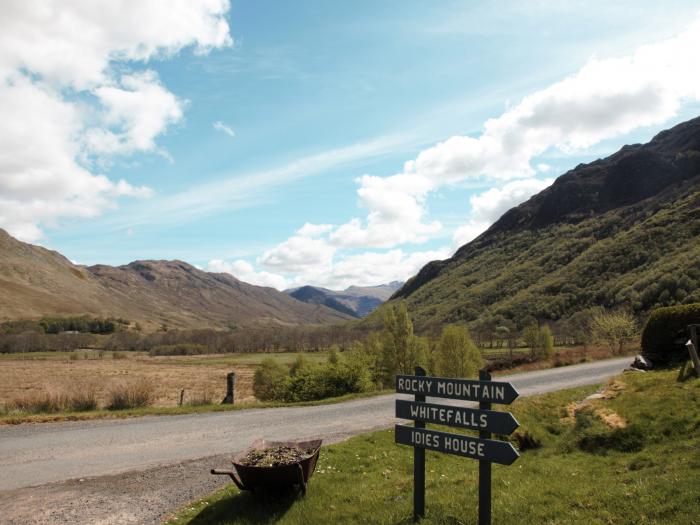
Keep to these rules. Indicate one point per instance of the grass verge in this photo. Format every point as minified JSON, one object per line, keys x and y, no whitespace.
{"x":629,"y":459}
{"x":7,"y":417}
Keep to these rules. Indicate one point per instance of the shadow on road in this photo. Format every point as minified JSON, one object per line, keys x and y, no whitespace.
{"x":262,"y":506}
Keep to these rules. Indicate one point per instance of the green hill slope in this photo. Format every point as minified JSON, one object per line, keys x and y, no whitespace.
{"x":624,"y":230}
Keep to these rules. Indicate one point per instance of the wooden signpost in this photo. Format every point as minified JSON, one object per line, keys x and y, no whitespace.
{"x":483,"y":419}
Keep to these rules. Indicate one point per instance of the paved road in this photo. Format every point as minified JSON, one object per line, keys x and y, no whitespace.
{"x":36,"y":454}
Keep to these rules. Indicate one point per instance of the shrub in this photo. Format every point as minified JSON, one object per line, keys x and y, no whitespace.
{"x":46,"y":402}
{"x":82,"y":398}
{"x":118,"y":355}
{"x":666,"y":331}
{"x":130,"y":395}
{"x":202,"y":398}
{"x":329,"y":380}
{"x":179,"y":349}
{"x":270,"y":381}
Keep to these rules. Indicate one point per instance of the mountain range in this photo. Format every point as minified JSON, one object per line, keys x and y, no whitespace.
{"x":357,"y":301}
{"x":620,"y":232}
{"x":36,"y":282}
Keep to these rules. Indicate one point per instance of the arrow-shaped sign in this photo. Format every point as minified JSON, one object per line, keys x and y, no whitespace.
{"x":496,"y":422}
{"x":492,"y":450}
{"x":465,"y":389}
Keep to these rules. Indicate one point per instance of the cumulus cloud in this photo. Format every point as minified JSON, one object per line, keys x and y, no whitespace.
{"x":488,"y":206}
{"x":70,"y":95}
{"x":396,"y":213}
{"x":604,"y":99}
{"x":220,"y":126}
{"x":298,"y":253}
{"x":244,"y":271}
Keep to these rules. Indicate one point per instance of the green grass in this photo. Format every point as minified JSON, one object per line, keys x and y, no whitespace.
{"x":582,"y":473}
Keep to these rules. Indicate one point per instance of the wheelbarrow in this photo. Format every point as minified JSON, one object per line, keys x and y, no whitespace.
{"x":247,"y":477}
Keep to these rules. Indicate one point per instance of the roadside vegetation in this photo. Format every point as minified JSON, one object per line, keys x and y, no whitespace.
{"x":627,"y":457}
{"x":182,"y":377}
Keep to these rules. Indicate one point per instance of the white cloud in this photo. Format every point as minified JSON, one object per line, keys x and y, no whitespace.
{"x":298,"y":253}
{"x":140,"y":109}
{"x":488,"y":206}
{"x":314,"y":230}
{"x":396,"y":213}
{"x":244,"y":271}
{"x":220,"y":126}
{"x":69,"y":96}
{"x":604,"y":99}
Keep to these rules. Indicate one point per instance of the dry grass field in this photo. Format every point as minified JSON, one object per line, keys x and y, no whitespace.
{"x":25,"y":375}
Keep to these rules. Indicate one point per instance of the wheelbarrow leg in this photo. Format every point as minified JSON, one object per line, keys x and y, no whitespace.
{"x":302,"y":481}
{"x":231,"y":474}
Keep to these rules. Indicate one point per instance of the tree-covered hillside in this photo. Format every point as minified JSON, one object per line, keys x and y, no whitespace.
{"x":619,"y":232}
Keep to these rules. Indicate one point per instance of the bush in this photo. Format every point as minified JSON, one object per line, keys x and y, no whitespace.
{"x":179,"y":349}
{"x":79,"y":398}
{"x":666,"y":332}
{"x":82,"y":398}
{"x":130,"y":395}
{"x":46,"y":402}
{"x":271,"y":380}
{"x":329,"y":380}
{"x":202,"y":398}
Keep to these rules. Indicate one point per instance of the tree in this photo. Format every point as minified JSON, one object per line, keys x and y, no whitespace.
{"x":458,"y":356}
{"x":540,"y":340}
{"x":545,"y":342}
{"x":614,"y":329}
{"x":401,"y":349}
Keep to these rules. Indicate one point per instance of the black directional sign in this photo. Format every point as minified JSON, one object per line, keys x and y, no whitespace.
{"x":497,"y":422}
{"x":491,"y":450}
{"x":465,"y":389}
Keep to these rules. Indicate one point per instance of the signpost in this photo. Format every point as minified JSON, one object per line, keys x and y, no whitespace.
{"x":483,"y":419}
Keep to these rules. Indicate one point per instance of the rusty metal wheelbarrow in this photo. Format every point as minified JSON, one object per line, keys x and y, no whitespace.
{"x":248,"y":477}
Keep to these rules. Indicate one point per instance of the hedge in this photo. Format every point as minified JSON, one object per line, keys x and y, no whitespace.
{"x":664,"y":330}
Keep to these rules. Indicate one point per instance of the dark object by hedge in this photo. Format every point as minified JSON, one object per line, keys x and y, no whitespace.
{"x":666,"y":332}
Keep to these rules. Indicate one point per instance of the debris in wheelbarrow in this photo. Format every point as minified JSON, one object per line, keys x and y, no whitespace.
{"x":274,"y":464}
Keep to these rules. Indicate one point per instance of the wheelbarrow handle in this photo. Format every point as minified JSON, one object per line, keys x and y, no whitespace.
{"x":231,"y":474}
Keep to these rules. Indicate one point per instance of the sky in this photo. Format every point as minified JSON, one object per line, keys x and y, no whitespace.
{"x":314,"y":142}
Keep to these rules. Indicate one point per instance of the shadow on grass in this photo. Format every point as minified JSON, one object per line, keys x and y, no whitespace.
{"x":261,"y":506}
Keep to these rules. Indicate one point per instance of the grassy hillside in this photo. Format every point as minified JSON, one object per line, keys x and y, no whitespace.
{"x":637,"y":257}
{"x":630,"y":459}
{"x":36,"y":282}
{"x":622,"y":231}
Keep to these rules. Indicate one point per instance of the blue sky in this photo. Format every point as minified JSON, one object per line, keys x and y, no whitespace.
{"x":271,"y":112}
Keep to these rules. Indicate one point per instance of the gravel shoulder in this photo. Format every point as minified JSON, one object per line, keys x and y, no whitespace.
{"x":139,"y":470}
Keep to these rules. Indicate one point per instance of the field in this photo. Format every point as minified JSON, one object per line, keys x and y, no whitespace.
{"x":31,"y":376}
{"x":630,"y":457}
{"x":25,"y":374}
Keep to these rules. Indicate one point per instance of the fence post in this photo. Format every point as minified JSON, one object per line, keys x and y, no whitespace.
{"x":230,"y":384}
